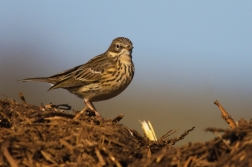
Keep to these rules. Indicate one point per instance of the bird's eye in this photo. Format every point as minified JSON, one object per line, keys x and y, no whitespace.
{"x":117,"y":46}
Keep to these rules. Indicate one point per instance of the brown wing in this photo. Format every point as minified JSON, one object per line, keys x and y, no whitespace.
{"x":85,"y":74}
{"x":93,"y":69}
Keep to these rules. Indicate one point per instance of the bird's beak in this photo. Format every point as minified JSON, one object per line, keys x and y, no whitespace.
{"x":129,"y":48}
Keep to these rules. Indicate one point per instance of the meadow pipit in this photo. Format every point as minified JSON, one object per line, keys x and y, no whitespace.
{"x":101,"y":78}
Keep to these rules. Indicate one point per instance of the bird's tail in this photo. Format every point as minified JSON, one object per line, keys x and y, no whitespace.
{"x":40,"y":79}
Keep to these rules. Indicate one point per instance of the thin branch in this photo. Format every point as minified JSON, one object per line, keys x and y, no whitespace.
{"x":226,"y":116}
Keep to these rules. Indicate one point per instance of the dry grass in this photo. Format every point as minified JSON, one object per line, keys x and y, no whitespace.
{"x":46,"y":136}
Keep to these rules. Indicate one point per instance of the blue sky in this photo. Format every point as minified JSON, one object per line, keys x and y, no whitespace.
{"x":186,"y":53}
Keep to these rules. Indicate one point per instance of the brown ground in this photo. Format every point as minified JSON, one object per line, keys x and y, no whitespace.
{"x":41,"y":136}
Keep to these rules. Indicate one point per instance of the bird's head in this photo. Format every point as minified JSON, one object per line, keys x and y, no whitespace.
{"x":120,"y":48}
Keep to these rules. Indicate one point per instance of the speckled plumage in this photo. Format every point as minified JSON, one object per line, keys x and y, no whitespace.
{"x":101,"y":78}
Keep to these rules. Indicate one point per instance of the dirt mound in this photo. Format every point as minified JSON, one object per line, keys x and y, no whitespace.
{"x":44,"y":136}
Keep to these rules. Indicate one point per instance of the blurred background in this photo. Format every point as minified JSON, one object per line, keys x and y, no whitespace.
{"x":186,"y":54}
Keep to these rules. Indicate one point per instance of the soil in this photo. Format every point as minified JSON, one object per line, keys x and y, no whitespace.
{"x":49,"y":137}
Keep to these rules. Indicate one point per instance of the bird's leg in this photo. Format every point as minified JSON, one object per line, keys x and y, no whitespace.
{"x":91,"y":107}
{"x":81,"y":112}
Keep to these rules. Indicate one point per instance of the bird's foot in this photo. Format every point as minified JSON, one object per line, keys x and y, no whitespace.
{"x":90,"y":113}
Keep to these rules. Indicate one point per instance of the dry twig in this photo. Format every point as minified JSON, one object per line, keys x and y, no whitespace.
{"x":7,"y":154}
{"x":22,"y":98}
{"x":118,"y":118}
{"x":226,"y":116}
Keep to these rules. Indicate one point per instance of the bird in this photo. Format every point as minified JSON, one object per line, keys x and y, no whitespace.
{"x":101,"y":78}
